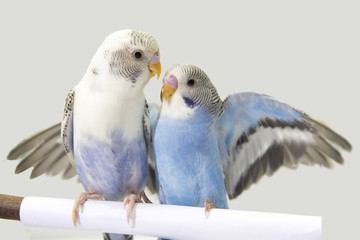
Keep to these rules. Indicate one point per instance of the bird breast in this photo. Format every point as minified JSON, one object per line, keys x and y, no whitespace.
{"x":100,"y":113}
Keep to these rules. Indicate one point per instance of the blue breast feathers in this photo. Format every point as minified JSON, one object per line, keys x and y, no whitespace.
{"x":187,"y":161}
{"x":113,"y":169}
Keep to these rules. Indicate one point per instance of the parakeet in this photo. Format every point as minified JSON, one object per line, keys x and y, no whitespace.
{"x":206,"y":148}
{"x":105,"y":129}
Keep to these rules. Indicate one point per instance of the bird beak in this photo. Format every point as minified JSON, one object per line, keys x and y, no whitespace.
{"x":155,"y":66}
{"x":169,"y":87}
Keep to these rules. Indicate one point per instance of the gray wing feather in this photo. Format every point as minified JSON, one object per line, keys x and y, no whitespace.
{"x":34,"y":140}
{"x":43,"y":151}
{"x":48,"y":151}
{"x":59,"y":166}
{"x":328,"y":133}
{"x":69,"y":172}
{"x":47,"y":165}
{"x":39,"y":154}
{"x":147,"y":126}
{"x":262,"y":134}
{"x":151,"y":114}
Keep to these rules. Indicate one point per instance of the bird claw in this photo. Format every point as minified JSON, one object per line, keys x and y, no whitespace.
{"x":79,"y":202}
{"x":130,"y":201}
{"x":144,"y":197}
{"x":208,"y":206}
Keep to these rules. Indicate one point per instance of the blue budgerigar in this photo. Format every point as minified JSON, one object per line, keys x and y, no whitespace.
{"x":206,"y":148}
{"x":106,"y":129}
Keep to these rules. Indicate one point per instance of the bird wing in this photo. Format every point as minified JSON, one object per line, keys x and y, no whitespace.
{"x":67,"y":127}
{"x":50,"y":151}
{"x":45,"y":150}
{"x":258,"y":134}
{"x":150,"y":118}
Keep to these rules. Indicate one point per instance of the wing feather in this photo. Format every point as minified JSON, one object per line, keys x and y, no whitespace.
{"x":150,"y":117}
{"x":31,"y":142}
{"x":262,"y":134}
{"x":48,"y":151}
{"x":69,"y":172}
{"x":38,"y":155}
{"x":44,"y":165}
{"x":59,"y":165}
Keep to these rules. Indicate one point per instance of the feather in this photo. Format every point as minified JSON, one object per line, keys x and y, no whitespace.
{"x":31,"y":142}
{"x":59,"y":165}
{"x":44,"y":165}
{"x":69,"y":172}
{"x":330,"y":134}
{"x":35,"y":156}
{"x":274,"y":134}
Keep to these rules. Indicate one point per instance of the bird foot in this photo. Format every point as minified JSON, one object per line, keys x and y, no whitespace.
{"x":208,"y":206}
{"x":130,"y":201}
{"x":79,"y":202}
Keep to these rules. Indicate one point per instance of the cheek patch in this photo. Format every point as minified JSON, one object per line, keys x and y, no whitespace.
{"x":189,"y":102}
{"x":133,"y":76}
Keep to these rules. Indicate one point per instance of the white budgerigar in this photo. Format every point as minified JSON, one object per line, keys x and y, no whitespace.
{"x":105,"y":130}
{"x":206,"y":148}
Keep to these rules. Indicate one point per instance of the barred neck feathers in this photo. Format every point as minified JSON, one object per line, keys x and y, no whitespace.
{"x":178,"y":110}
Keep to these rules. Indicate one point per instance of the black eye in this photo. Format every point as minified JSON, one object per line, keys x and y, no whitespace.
{"x":137,"y":54}
{"x":191,"y":82}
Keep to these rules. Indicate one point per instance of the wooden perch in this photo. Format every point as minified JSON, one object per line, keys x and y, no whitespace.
{"x":10,"y":207}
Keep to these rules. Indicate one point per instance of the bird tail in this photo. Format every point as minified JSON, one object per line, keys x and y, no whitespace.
{"x":115,"y":236}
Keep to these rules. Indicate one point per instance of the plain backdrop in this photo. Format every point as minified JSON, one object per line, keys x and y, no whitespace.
{"x":306,"y":53}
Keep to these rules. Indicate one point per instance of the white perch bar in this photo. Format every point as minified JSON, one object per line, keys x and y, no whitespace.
{"x":175,"y":222}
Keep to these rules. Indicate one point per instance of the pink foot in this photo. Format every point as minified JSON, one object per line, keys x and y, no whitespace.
{"x":79,"y":202}
{"x":129,"y":202}
{"x":208,"y":206}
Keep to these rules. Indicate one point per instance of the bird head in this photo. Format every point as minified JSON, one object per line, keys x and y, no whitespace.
{"x":188,"y":87}
{"x":131,"y":57}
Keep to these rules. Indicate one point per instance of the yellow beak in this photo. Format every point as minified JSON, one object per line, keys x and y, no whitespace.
{"x":167,"y":92}
{"x":155,"y":69}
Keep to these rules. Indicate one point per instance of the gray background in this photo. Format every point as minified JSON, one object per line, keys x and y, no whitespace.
{"x":305,"y":53}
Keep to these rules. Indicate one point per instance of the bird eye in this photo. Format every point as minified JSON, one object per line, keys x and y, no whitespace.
{"x":191,"y":82}
{"x":137,"y":54}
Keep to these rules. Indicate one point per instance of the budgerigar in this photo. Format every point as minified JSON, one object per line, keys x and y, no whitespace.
{"x":106,"y":128}
{"x":206,"y":148}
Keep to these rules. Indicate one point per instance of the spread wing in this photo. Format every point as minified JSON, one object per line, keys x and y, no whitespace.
{"x":259,"y":134}
{"x":44,"y":152}
{"x":48,"y":151}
